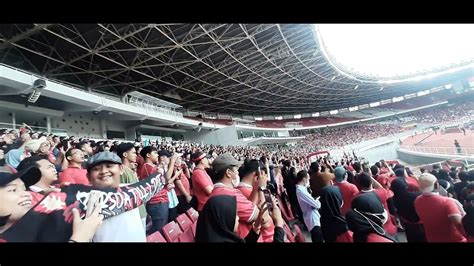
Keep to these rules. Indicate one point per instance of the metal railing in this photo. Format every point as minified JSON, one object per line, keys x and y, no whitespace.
{"x":440,"y":150}
{"x":57,"y":131}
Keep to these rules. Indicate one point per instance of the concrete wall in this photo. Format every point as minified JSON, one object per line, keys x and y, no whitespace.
{"x":412,"y":157}
{"x":79,"y":124}
{"x":224,"y":136}
{"x":130,"y":133}
{"x":5,"y":118}
{"x":387,"y":151}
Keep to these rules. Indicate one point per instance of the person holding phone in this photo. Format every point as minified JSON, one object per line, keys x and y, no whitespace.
{"x":309,"y":207}
{"x":225,"y":173}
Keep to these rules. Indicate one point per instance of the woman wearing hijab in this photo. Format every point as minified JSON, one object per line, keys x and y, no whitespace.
{"x":218,"y":222}
{"x":366,"y":219}
{"x":405,"y":203}
{"x":19,"y":222}
{"x":333,"y":223}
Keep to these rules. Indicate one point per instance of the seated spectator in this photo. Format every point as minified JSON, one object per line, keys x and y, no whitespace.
{"x":218,"y":222}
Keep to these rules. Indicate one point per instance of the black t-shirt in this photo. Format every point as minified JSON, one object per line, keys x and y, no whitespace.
{"x":458,"y":187}
{"x":405,"y":200}
{"x":50,"y":220}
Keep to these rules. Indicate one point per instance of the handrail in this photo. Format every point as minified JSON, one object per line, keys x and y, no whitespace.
{"x":440,"y":150}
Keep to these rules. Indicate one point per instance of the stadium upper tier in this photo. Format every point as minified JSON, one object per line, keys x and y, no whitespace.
{"x":238,"y":69}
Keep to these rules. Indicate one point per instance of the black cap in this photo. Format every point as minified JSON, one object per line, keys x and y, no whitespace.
{"x":164,"y":153}
{"x":29,"y":176}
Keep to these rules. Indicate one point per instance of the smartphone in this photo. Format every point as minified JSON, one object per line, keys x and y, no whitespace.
{"x":268,"y":199}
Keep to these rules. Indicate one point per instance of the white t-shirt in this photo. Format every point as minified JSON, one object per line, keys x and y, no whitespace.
{"x":125,"y":227}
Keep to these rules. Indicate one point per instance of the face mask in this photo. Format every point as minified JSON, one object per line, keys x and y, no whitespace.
{"x":236,"y":180}
{"x":384,"y":217}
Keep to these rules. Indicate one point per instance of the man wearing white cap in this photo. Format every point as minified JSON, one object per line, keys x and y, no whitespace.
{"x":440,"y":216}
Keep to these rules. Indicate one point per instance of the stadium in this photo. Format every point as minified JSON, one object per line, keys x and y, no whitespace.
{"x":165,"y":133}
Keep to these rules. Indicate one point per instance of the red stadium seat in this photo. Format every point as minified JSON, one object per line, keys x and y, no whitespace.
{"x":288,"y":233}
{"x":285,"y":208}
{"x":186,"y":226}
{"x":193,"y":215}
{"x":171,"y":232}
{"x":156,"y":237}
{"x":299,"y":238}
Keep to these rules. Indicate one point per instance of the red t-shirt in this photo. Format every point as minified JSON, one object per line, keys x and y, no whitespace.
{"x":412,"y":184}
{"x":348,"y":192}
{"x":345,"y":237}
{"x":145,"y":171}
{"x":246,"y":189}
{"x":384,"y":180}
{"x":140,"y":160}
{"x":266,"y":234}
{"x":37,"y":194}
{"x":201,"y":180}
{"x":376,"y":238}
{"x":384,"y":170}
{"x":434,"y":212}
{"x":246,"y":210}
{"x":384,"y":195}
{"x":185,"y":181}
{"x":73,"y":175}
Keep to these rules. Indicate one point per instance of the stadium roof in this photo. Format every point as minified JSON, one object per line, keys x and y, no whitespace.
{"x":257,"y":69}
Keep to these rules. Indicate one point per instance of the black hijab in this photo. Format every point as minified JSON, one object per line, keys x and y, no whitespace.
{"x":333,"y":222}
{"x":217,"y":220}
{"x":405,"y":200}
{"x":366,"y":216}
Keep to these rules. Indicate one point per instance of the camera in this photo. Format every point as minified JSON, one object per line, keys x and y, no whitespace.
{"x":39,"y":84}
